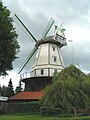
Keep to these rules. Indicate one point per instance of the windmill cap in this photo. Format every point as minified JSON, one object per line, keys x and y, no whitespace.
{"x":49,"y":39}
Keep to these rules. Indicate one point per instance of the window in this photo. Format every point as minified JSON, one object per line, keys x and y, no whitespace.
{"x":54,"y":58}
{"x":42,"y":72}
{"x":53,"y":48}
{"x":35,"y":72}
{"x":55,"y":71}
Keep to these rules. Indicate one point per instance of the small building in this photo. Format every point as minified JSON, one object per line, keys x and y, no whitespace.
{"x":26,"y":96}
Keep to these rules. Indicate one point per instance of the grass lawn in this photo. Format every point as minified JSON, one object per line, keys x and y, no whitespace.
{"x":39,"y":117}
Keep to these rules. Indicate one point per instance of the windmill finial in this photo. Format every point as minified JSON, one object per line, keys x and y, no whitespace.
{"x":59,"y":30}
{"x":55,"y":30}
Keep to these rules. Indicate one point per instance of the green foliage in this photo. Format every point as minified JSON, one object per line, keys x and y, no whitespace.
{"x":69,"y":91}
{"x":2,"y":112}
{"x":49,"y":111}
{"x":3,"y":90}
{"x":69,"y":72}
{"x":19,"y":88}
{"x":8,"y":41}
{"x":10,"y":91}
{"x":23,"y":107}
{"x":29,"y":107}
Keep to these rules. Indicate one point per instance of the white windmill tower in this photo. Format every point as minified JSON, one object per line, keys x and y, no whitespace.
{"x":48,"y":58}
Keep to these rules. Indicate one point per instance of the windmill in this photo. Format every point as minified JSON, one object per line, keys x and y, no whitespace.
{"x":48,"y":58}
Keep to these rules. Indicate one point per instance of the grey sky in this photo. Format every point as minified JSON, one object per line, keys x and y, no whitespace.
{"x":75,"y":14}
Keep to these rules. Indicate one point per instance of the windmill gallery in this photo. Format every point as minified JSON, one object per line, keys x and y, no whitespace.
{"x":48,"y":60}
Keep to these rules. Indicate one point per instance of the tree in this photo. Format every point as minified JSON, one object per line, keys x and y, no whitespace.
{"x":3,"y":90}
{"x":19,"y":88}
{"x":68,"y":90}
{"x":10,"y":91}
{"x":9,"y":46}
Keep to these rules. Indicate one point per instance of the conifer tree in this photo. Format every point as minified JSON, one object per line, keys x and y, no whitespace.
{"x":3,"y":90}
{"x":19,"y":88}
{"x":10,"y":91}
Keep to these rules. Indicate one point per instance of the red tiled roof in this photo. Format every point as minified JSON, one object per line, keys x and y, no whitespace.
{"x":27,"y":96}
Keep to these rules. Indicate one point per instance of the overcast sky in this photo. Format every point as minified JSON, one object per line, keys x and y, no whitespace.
{"x":35,"y":14}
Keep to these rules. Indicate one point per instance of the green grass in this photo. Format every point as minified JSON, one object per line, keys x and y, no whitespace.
{"x":39,"y":117}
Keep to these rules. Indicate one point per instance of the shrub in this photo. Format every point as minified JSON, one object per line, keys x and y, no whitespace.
{"x":2,"y":112}
{"x":23,"y":107}
{"x":49,"y":110}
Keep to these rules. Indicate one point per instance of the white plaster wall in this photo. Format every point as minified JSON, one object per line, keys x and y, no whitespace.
{"x":38,"y":72}
{"x":43,"y":54}
{"x":54,"y":53}
{"x":44,"y":60}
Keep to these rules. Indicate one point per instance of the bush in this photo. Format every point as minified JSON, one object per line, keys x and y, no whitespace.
{"x":2,"y":112}
{"x":29,"y":107}
{"x":23,"y":107}
{"x":49,"y":110}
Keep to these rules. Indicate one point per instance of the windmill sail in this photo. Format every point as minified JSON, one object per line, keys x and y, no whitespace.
{"x":48,"y":27}
{"x":29,"y":57}
{"x":26,"y":28}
